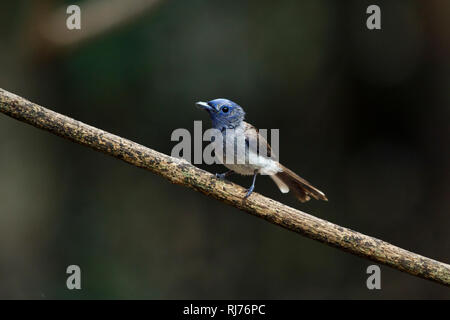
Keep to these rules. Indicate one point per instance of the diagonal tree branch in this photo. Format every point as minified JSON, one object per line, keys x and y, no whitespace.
{"x":181,"y":172}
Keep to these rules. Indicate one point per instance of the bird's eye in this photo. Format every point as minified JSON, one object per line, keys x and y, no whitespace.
{"x":225,"y":109}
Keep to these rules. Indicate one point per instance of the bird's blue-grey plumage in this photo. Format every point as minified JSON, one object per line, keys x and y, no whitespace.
{"x":225,"y":114}
{"x":228,"y":117}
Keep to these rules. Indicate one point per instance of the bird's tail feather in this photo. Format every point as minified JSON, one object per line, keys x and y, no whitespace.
{"x":287,"y":180}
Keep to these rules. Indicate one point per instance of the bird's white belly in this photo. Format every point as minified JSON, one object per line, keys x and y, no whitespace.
{"x":248,"y":162}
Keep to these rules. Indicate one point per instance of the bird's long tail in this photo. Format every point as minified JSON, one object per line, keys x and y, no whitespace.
{"x":287,"y":180}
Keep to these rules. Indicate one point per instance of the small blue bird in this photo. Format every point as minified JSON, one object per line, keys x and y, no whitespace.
{"x":228,"y":117}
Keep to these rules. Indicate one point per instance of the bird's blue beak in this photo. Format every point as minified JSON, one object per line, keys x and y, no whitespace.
{"x":204,"y":106}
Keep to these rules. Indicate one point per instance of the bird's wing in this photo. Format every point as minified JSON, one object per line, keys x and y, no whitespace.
{"x":253,"y":133}
{"x":286,"y":179}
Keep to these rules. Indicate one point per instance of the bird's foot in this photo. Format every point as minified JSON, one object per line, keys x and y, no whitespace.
{"x":249,"y":191}
{"x":222,"y":176}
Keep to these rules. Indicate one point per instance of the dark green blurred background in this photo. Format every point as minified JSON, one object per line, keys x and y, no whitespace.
{"x":364,"y":115}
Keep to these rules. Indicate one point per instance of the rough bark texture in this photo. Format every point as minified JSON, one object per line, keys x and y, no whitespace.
{"x":181,"y":172}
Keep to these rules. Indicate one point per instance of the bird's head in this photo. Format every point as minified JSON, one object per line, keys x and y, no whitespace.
{"x":224,"y":113}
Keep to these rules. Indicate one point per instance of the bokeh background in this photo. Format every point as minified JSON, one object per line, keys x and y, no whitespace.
{"x":364,"y":115}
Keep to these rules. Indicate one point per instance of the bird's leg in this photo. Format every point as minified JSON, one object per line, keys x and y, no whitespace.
{"x":252,"y":187}
{"x":224,"y":175}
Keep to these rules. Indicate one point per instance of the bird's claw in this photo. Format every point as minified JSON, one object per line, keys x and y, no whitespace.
{"x":249,"y":192}
{"x":221,"y":176}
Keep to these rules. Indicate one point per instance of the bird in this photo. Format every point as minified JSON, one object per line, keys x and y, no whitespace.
{"x":228,"y":118}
